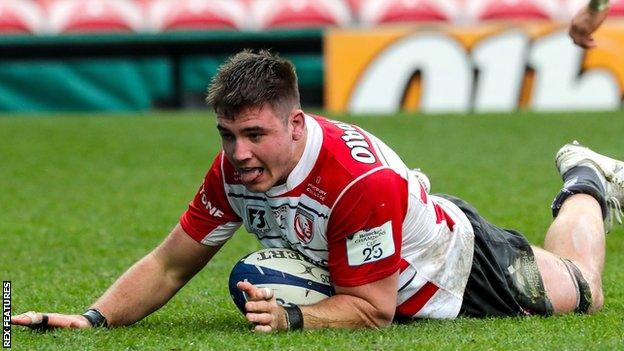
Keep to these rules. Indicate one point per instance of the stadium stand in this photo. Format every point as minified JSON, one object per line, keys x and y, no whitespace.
{"x":21,"y":17}
{"x":376,"y":12}
{"x":167,"y":15}
{"x":272,"y":14}
{"x":139,"y":16}
{"x":355,"y":5}
{"x":170,"y":48}
{"x":617,"y":8}
{"x":71,"y":16}
{"x":481,"y":10}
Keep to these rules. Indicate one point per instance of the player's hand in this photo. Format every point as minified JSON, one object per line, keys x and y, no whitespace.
{"x":584,"y":24}
{"x":262,"y":308}
{"x":44,"y":321}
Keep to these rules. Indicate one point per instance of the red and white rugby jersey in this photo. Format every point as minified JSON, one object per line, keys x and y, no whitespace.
{"x":352,"y":205}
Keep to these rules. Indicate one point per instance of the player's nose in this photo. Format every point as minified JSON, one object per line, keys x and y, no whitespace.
{"x":242,"y":151}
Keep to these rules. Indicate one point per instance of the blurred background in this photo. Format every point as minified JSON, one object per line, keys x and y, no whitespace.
{"x":353,"y":56}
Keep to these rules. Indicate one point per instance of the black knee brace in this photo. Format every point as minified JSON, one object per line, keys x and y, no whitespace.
{"x":584,"y":298}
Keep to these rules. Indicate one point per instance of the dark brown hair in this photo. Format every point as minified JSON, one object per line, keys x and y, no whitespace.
{"x":250,"y":79}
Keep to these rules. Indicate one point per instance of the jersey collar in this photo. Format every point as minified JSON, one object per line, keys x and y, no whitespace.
{"x":312,"y":149}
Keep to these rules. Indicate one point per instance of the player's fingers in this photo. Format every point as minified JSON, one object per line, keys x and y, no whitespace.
{"x":19,"y":320}
{"x":589,"y":43}
{"x":260,"y":318}
{"x":244,"y":285}
{"x":575,"y":34}
{"x":263,"y":329}
{"x":258,"y":306}
{"x":28,"y":318}
{"x":255,"y":293}
{"x":586,"y":43}
{"x":266,"y":293}
{"x":33,"y":320}
{"x":581,"y":40}
{"x":248,"y":289}
{"x":68,"y":321}
{"x":39,"y":320}
{"x":582,"y":44}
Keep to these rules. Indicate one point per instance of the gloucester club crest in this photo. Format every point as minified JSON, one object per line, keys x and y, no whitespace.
{"x":304,"y":225}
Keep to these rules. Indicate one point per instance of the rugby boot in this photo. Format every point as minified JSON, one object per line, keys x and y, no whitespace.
{"x":574,"y":154}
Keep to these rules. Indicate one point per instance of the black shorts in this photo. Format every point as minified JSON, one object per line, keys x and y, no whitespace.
{"x":504,"y":279}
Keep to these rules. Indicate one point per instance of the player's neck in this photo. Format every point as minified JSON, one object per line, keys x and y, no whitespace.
{"x":299,"y":149}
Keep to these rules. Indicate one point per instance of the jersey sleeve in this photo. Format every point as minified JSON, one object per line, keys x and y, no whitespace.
{"x":209,"y":218}
{"x":364,"y":231}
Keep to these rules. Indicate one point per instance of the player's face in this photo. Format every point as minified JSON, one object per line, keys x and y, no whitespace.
{"x":261,"y":146}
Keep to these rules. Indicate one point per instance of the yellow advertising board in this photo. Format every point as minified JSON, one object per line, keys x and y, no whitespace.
{"x":489,"y":67}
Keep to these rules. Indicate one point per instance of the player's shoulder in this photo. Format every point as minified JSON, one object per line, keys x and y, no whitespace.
{"x":351,"y":157}
{"x":348,"y":148}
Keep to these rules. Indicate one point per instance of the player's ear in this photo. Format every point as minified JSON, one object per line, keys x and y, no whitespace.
{"x":297,"y":122}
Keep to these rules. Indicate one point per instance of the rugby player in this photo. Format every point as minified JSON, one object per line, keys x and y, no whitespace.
{"x":344,"y":199}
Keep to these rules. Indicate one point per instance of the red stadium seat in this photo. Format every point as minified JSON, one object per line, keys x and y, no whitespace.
{"x":480,"y":10}
{"x":67,"y":16}
{"x":373,"y":12}
{"x":617,"y":8}
{"x":164,"y":15}
{"x":21,"y":16}
{"x":355,"y":5}
{"x":300,"y":13}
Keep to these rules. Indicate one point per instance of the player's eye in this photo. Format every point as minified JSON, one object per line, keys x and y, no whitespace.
{"x":227,"y":136}
{"x":255,"y":137}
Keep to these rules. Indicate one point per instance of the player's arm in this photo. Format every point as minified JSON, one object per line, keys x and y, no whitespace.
{"x":153,"y":280}
{"x":370,"y":305}
{"x":587,"y":21}
{"x":143,"y":288}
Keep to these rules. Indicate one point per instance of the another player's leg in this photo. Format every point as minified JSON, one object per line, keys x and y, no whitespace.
{"x":575,"y":240}
{"x":573,"y":258}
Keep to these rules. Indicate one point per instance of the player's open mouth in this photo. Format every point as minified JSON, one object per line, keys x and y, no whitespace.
{"x":250,"y":174}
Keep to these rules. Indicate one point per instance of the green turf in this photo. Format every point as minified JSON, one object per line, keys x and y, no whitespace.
{"x":83,"y":197}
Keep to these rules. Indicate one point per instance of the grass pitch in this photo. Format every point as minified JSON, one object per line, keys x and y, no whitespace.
{"x":83,"y":197}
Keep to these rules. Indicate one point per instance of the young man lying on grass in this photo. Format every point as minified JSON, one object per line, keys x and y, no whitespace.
{"x":393,"y":250}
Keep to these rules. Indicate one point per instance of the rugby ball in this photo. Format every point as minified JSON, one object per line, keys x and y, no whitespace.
{"x":293,"y":278}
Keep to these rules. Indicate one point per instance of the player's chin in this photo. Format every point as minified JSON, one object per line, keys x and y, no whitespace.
{"x":260,"y":185}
